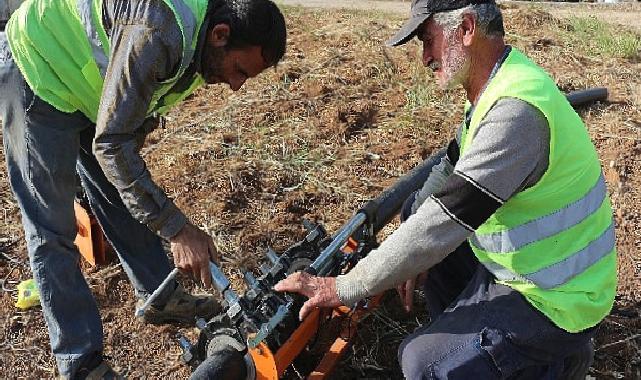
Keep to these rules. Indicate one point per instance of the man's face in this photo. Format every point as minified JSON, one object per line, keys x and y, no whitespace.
{"x":443,"y":53}
{"x":231,"y":66}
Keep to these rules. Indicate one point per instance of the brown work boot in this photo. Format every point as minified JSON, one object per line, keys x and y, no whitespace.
{"x":182,"y":308}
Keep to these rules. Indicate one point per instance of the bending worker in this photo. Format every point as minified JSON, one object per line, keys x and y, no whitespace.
{"x":81,"y":85}
{"x":513,"y":228}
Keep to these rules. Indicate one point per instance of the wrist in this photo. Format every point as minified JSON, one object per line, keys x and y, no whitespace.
{"x":180,"y":229}
{"x":349,"y":291}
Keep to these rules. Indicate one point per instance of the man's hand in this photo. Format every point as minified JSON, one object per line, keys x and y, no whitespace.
{"x":406,"y":290}
{"x":193,"y":249}
{"x":321,"y":291}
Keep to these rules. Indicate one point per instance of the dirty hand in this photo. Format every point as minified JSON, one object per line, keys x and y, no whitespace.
{"x":406,"y":290}
{"x":193,"y":249}
{"x":321,"y":291}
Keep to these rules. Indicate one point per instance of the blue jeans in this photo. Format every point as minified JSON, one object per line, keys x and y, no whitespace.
{"x":483,"y":330}
{"x":44,"y":148}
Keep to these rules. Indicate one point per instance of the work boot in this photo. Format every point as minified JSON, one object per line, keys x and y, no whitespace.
{"x":182,"y":308}
{"x":104,"y":372}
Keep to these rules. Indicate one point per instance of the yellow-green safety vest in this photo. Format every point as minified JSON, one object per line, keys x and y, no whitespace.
{"x":553,"y":242}
{"x":62,"y":50}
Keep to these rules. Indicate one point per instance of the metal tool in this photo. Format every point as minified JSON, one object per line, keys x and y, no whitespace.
{"x":141,"y":311}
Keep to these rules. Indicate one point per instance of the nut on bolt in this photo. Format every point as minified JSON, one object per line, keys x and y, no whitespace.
{"x":187,"y":355}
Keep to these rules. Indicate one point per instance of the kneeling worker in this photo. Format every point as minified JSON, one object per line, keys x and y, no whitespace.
{"x":513,"y":228}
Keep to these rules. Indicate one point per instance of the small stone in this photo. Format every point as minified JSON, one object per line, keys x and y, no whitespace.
{"x":372,"y":157}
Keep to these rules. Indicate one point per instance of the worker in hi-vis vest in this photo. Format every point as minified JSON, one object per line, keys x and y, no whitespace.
{"x":82,"y":82}
{"x":512,"y":234}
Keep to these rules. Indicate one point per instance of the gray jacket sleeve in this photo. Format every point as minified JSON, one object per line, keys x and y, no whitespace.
{"x":146,"y":48}
{"x":437,"y":178}
{"x":509,"y":152}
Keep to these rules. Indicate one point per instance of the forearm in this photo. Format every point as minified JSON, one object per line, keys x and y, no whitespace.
{"x":421,"y":242}
{"x":147,"y":202}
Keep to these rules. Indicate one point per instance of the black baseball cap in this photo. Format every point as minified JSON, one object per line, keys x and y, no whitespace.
{"x":422,"y":10}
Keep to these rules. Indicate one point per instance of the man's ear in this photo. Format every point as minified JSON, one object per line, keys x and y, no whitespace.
{"x":469,"y":29}
{"x":219,"y":35}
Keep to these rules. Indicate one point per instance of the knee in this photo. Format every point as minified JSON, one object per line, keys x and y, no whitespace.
{"x":413,"y":357}
{"x":430,"y":356}
{"x":53,"y":254}
{"x":576,"y":366}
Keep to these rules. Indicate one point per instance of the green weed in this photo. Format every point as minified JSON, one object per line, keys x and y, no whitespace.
{"x":421,"y":92}
{"x":598,"y":38}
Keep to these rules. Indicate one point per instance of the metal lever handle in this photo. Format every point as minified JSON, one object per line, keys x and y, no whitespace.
{"x":221,"y":283}
{"x":141,"y":311}
{"x":218,"y":278}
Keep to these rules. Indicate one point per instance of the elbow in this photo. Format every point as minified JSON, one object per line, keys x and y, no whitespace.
{"x":99,"y":151}
{"x":106,"y":147}
{"x":107,"y":153}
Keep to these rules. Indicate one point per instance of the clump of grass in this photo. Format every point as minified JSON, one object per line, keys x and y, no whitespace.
{"x":421,"y":92}
{"x":598,"y":38}
{"x":419,"y":95}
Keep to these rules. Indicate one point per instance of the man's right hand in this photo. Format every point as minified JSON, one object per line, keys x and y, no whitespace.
{"x":193,"y":249}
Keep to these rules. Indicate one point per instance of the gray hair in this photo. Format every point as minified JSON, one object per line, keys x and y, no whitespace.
{"x":488,"y":18}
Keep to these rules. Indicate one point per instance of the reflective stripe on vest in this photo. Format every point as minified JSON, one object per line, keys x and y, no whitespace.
{"x":190,"y":24}
{"x":513,"y":239}
{"x":93,"y":28}
{"x":560,"y":273}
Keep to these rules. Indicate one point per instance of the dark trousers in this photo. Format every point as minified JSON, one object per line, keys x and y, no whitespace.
{"x":483,"y":330}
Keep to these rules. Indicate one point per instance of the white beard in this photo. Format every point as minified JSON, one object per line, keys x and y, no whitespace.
{"x":456,"y":63}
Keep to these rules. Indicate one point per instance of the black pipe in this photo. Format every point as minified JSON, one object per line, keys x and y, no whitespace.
{"x":224,"y":364}
{"x":584,"y":97}
{"x":382,"y":209}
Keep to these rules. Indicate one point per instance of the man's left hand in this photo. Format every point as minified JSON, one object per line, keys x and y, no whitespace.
{"x":321,"y":291}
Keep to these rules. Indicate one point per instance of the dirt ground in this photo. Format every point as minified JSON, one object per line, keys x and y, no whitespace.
{"x":339,"y":120}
